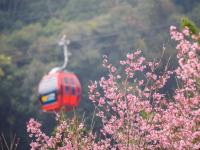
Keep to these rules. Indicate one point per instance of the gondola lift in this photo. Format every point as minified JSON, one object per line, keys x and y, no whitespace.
{"x":60,"y":88}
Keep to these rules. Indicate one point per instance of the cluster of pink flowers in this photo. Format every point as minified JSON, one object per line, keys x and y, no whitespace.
{"x":133,"y":112}
{"x":68,"y":135}
{"x":135,"y":115}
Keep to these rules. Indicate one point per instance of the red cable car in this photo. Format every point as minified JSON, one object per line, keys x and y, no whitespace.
{"x":60,"y":89}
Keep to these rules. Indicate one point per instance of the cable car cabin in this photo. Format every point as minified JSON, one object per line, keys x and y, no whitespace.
{"x":58,"y":90}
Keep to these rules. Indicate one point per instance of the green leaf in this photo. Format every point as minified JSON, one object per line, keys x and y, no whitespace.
{"x":5,"y":60}
{"x":144,"y":114}
{"x":185,"y":21}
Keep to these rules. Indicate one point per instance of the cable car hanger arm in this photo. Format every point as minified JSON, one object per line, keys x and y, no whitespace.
{"x":63,"y":42}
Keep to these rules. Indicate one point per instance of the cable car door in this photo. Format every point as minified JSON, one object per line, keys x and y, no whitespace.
{"x":48,"y":93}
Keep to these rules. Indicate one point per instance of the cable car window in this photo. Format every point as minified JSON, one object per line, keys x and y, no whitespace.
{"x":66,"y":81}
{"x":67,"y":85}
{"x":73,"y":83}
{"x":78,"y":92}
{"x":67,"y":89}
{"x":73,"y":90}
{"x":48,"y":85}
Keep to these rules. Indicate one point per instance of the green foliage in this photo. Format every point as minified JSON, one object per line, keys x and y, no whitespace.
{"x":144,"y":114}
{"x":4,"y":60}
{"x":24,"y":37}
{"x":186,"y":22}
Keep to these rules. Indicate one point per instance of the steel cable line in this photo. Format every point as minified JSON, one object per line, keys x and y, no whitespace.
{"x":124,"y":45}
{"x":83,"y":11}
{"x":93,"y":38}
{"x":105,"y":35}
{"x":73,"y":12}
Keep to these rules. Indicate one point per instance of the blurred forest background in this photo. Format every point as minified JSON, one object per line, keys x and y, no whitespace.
{"x":31,"y":29}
